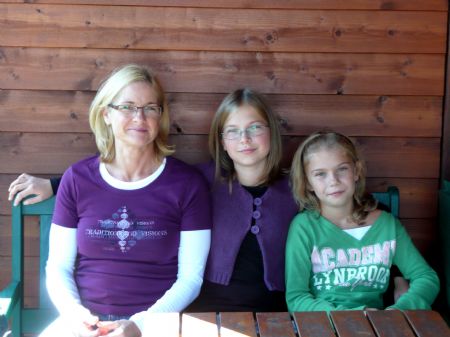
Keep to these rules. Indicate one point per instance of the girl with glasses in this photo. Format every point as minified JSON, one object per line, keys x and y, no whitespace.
{"x":252,"y":208}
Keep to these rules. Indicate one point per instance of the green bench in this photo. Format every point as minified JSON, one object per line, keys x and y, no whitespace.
{"x":34,"y":320}
{"x":28,"y":320}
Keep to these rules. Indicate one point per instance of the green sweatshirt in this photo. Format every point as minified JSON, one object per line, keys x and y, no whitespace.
{"x":328,"y":269}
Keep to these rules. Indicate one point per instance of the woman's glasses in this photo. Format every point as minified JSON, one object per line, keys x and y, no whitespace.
{"x":153,"y":111}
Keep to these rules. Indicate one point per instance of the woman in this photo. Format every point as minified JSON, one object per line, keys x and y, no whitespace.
{"x":131,"y":226}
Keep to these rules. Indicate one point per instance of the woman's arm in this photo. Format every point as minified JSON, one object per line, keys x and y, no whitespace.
{"x":60,"y":269}
{"x":192,"y":255}
{"x":26,"y":185}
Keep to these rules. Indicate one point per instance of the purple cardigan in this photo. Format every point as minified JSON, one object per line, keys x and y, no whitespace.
{"x":232,"y":218}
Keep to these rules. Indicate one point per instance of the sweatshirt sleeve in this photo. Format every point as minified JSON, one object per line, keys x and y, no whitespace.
{"x":298,"y":271}
{"x":424,"y":282}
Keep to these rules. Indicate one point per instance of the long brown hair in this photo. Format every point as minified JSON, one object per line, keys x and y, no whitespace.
{"x":224,"y":164}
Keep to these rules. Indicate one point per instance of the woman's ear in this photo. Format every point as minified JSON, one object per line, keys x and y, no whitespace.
{"x":106,"y":116}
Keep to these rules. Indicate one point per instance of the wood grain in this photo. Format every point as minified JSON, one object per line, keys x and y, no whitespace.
{"x":313,"y":324}
{"x":163,"y":28}
{"x":432,"y":5}
{"x":222,"y":72}
{"x":389,"y":323}
{"x":191,"y":113}
{"x":237,"y":324}
{"x":351,"y":324}
{"x":276,"y":324}
{"x":420,"y":321}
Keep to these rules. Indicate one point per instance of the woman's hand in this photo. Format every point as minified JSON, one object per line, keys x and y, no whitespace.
{"x":26,"y":185}
{"x":86,"y":327}
{"x":121,"y":328}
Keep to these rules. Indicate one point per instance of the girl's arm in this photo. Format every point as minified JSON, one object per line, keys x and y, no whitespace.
{"x":192,"y":255}
{"x":298,"y":272}
{"x":423,"y":280}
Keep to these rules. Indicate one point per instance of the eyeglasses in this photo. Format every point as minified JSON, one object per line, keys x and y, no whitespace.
{"x":128,"y":110}
{"x":252,"y":131}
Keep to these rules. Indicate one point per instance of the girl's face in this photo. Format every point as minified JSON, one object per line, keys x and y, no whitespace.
{"x":246,"y":138}
{"x":332,"y":176}
{"x":133,"y":129}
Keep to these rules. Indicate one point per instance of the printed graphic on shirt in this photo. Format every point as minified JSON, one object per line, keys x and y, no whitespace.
{"x":123,"y":230}
{"x":349,"y":268}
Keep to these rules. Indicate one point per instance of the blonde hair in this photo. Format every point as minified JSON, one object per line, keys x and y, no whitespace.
{"x":363,"y":202}
{"x":108,"y":91}
{"x":224,"y":164}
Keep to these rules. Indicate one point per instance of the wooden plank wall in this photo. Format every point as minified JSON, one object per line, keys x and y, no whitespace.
{"x":373,"y":69}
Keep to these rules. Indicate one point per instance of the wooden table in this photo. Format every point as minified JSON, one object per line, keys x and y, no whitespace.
{"x":419,"y":323}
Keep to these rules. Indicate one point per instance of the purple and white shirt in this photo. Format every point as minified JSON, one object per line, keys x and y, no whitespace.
{"x":128,"y":240}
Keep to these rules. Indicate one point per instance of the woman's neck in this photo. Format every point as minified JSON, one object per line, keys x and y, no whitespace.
{"x":133,"y":165}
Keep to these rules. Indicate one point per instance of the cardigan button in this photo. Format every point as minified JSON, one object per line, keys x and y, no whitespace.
{"x":257,"y":201}
{"x":254,"y":229}
{"x":256,"y":214}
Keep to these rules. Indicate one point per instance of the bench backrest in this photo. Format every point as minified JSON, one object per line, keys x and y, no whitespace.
{"x":31,"y":320}
{"x":27,"y":320}
{"x":389,"y":200}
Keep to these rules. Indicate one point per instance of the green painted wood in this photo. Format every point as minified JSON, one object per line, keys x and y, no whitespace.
{"x":29,"y":320}
{"x":45,"y":222}
{"x":389,"y":199}
{"x":35,"y":320}
{"x":8,"y":298}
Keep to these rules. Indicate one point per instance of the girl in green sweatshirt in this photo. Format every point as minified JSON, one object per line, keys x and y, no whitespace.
{"x":340,"y":248}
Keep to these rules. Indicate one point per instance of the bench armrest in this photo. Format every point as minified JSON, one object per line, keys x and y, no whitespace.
{"x":8,"y":298}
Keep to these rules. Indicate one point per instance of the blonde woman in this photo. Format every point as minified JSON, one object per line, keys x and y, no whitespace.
{"x":131,"y":227}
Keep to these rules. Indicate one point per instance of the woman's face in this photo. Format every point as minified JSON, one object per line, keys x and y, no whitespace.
{"x":135,"y":129}
{"x":246,"y":138}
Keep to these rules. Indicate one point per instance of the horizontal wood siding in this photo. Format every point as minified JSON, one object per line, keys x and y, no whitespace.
{"x":372,"y":69}
{"x":281,"y":73}
{"x":236,"y":29}
{"x":414,"y":5}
